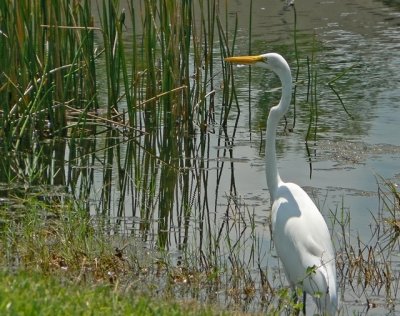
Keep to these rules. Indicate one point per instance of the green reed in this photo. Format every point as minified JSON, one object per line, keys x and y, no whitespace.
{"x":129,"y":109}
{"x":43,"y":64}
{"x":62,"y":74}
{"x":229,"y":96}
{"x":367,"y":266}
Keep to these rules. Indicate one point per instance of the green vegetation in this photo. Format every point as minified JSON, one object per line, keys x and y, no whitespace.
{"x":57,"y":261}
{"x":82,"y":100}
{"x":55,"y":252}
{"x":105,"y":123}
{"x":31,"y":293}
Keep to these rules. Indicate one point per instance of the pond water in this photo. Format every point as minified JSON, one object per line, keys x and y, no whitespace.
{"x":353,"y":44}
{"x":348,"y":154}
{"x":206,"y":193}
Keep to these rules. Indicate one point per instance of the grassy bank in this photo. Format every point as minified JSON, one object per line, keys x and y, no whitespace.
{"x":56,"y":259}
{"x":33,"y":293}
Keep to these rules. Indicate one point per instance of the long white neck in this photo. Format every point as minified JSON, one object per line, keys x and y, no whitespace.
{"x":275,"y":114}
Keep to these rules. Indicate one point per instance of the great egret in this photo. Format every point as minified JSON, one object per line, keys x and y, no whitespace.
{"x":299,"y":231}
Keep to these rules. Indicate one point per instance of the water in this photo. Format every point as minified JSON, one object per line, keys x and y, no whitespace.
{"x":361,"y":33}
{"x":207,"y":193}
{"x":348,"y":156}
{"x":225,"y":183}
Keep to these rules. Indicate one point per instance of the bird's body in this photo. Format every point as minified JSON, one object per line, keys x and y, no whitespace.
{"x":299,"y":231}
{"x":305,"y":249}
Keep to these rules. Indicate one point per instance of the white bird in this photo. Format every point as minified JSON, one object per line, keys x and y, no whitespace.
{"x":299,"y":231}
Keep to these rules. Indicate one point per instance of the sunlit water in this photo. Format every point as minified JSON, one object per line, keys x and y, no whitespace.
{"x":348,"y":156}
{"x":364,"y":34}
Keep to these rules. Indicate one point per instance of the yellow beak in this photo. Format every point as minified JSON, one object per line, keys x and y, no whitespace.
{"x":244,"y":60}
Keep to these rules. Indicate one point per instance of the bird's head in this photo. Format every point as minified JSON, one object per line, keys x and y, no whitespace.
{"x":272,"y":61}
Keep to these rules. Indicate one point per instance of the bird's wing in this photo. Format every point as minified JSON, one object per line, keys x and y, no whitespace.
{"x":300,"y":232}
